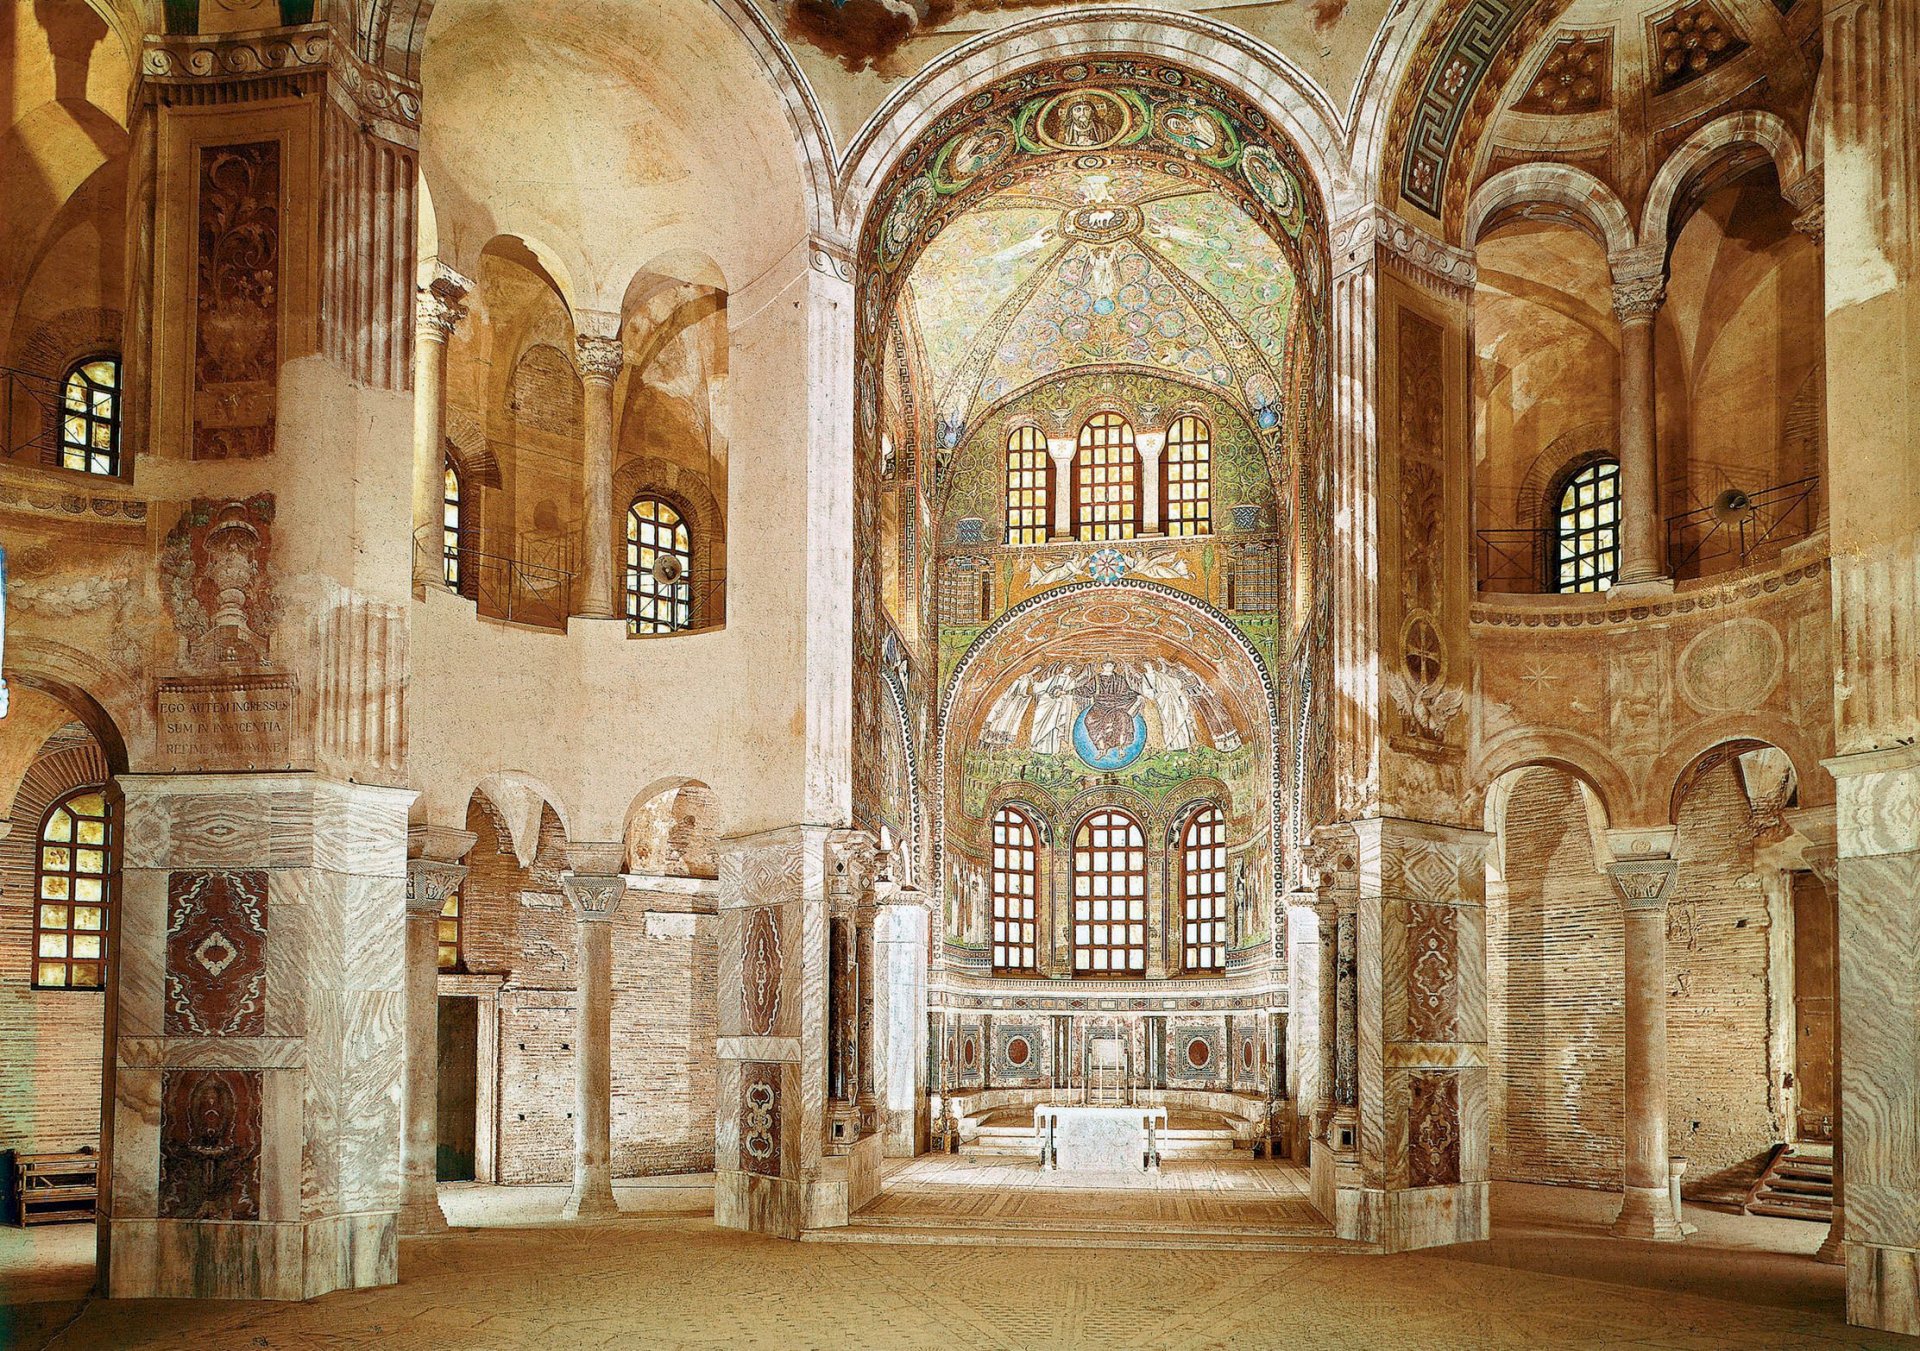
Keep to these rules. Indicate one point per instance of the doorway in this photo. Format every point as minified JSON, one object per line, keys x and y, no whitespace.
{"x":459,"y":1048}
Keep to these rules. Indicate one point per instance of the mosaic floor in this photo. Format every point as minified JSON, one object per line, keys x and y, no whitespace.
{"x":661,"y":1279}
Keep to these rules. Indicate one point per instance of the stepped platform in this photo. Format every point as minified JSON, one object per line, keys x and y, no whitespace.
{"x":1192,"y":1203}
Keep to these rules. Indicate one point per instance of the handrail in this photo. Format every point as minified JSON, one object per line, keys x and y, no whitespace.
{"x":1773,"y":516}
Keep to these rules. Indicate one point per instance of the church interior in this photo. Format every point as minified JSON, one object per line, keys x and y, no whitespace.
{"x":1298,"y":720}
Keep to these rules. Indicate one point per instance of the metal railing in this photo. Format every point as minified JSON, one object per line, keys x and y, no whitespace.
{"x":1730,"y":532}
{"x":701,"y":599}
{"x":501,"y":585}
{"x":1512,"y":561}
{"x":29,"y":415}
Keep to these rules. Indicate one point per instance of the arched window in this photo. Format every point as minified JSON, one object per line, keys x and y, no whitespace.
{"x":1029,"y":469}
{"x":90,"y":417}
{"x":1106,"y":480}
{"x":1203,"y":890}
{"x":1109,"y":896}
{"x":450,"y":528}
{"x":70,"y":894}
{"x":659,"y":565}
{"x":1587,"y":528}
{"x":1015,"y":872}
{"x":1187,"y":473}
{"x":447,"y":931}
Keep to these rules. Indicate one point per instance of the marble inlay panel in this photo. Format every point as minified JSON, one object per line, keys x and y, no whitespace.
{"x":216,"y":954}
{"x":210,"y":1134}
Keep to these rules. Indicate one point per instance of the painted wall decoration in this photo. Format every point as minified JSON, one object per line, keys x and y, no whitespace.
{"x":215,"y":582}
{"x":216,"y":981}
{"x":1465,"y":59}
{"x":237,"y":302}
{"x":210,"y":1128}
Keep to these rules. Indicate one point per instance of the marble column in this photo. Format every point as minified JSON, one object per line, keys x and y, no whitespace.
{"x":1151,"y":446}
{"x":599,"y":359}
{"x":1639,"y":288}
{"x":1061,"y":449}
{"x":434,"y":872}
{"x":595,"y":888}
{"x":1823,"y":862}
{"x":900,"y":1019}
{"x":439,"y":310}
{"x":1642,"y":873}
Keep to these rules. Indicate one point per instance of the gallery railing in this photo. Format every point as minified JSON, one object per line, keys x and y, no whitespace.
{"x":690,"y":606}
{"x":1510,"y":561}
{"x":29,"y":416}
{"x":1737,"y":526}
{"x":502,"y":586}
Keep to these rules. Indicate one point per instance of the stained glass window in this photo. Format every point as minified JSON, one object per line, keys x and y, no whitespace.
{"x":1015,"y":875}
{"x":1028,"y":466}
{"x":1587,"y":529}
{"x":659,"y":568}
{"x":1188,"y":466}
{"x":1106,"y":480}
{"x":90,"y":417}
{"x":71,"y":894}
{"x":1203,"y":890}
{"x":450,"y":528}
{"x":1109,"y":896}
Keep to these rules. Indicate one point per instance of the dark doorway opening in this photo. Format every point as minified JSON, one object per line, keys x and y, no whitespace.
{"x":459,"y":1085}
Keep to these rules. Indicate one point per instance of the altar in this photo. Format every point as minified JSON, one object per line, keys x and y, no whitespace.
{"x":1099,"y":1139}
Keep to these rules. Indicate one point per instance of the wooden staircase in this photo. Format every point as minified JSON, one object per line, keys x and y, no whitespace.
{"x":1796,"y":1184}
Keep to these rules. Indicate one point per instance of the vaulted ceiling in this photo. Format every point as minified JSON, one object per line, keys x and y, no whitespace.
{"x":1092,"y":267}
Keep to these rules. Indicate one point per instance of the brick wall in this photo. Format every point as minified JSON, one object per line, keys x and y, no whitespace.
{"x":1555,"y":972}
{"x":665,"y":973}
{"x":51,"y":1041}
{"x":1719,"y":1112}
{"x":1555,"y":967}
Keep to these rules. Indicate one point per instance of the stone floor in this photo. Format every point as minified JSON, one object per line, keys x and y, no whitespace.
{"x":1186,"y":1197}
{"x":662,"y":1277}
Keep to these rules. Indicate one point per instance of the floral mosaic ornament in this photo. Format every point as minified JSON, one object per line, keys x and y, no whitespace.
{"x":1106,"y":566}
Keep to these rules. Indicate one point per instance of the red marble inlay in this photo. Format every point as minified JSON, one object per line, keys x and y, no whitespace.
{"x":760,"y":1118}
{"x":210,"y":1145}
{"x":760,"y":973}
{"x":216,"y":954}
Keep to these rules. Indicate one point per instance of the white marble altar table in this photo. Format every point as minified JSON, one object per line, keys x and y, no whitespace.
{"x":1100,"y":1139}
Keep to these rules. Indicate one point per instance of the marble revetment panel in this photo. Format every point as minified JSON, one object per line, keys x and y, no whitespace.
{"x":216,"y":982}
{"x":210,"y":1127}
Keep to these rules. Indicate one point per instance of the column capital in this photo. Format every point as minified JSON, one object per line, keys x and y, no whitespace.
{"x":1642,"y":867}
{"x":1062,"y":447}
{"x":595,"y":897}
{"x":1638,"y":294}
{"x":1807,"y":195}
{"x":1150,"y":444}
{"x":429,"y":883}
{"x":440,"y":305}
{"x":598,"y":359}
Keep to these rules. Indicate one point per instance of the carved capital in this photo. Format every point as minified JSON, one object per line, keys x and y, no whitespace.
{"x":1643,"y":885}
{"x":1638,"y":299}
{"x":1375,"y":234}
{"x":1823,"y":861}
{"x":440,"y":305}
{"x":595,"y":897}
{"x":429,"y":882}
{"x":599,"y":359}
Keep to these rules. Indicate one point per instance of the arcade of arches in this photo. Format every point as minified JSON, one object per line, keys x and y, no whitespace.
{"x":742,"y":593}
